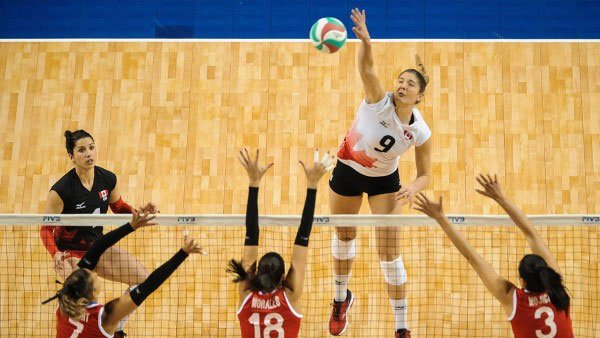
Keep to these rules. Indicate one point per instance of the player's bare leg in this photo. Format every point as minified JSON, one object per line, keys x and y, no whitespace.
{"x":343,"y":250}
{"x":390,"y":260}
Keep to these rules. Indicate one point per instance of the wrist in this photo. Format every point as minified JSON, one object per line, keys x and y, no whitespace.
{"x":254,"y":184}
{"x":312,"y":185}
{"x":440,"y":218}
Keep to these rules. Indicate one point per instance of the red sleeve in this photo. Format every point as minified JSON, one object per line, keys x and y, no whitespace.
{"x":47,"y":235}
{"x":120,"y":207}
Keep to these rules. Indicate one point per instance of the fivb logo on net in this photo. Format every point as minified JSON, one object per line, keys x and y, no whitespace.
{"x":457,"y":219}
{"x":590,"y":219}
{"x":186,"y":220}
{"x":51,"y":219}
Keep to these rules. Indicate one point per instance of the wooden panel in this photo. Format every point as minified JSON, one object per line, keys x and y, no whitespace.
{"x":170,"y":118}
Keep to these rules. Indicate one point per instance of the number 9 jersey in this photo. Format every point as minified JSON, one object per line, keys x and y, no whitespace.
{"x":534,"y":315}
{"x":268,"y":315}
{"x":377,"y":138}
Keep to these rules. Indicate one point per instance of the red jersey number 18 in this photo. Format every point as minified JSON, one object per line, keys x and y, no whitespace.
{"x":269,"y":325}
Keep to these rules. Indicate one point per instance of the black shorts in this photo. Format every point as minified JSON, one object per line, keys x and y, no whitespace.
{"x":346,"y":181}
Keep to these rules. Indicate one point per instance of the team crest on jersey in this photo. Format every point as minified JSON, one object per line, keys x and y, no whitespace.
{"x":103,"y":194}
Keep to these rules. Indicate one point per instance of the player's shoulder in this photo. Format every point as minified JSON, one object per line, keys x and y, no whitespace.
{"x":102,"y":171}
{"x":105,"y":174}
{"x":65,"y":182}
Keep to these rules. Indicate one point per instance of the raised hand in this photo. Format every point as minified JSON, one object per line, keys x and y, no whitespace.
{"x":142,"y":218}
{"x":190,"y":246}
{"x":428,"y":207}
{"x":360,"y":25}
{"x":491,"y":186}
{"x":255,"y":172}
{"x":406,"y":195}
{"x":319,"y":168}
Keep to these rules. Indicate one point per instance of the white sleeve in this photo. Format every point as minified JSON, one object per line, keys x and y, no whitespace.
{"x":377,"y":105}
{"x":423,"y":135}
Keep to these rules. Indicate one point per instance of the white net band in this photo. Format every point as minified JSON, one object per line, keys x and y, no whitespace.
{"x":293,"y":220}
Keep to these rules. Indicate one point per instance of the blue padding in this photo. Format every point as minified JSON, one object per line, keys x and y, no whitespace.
{"x":558,"y":19}
{"x":589,"y":19}
{"x":520,"y":19}
{"x":20,"y":19}
{"x":100,"y":19}
{"x":175,"y":18}
{"x":481,"y":19}
{"x":443,"y":19}
{"x":337,"y":9}
{"x":137,"y":18}
{"x":214,"y":19}
{"x":290,"y":20}
{"x":61,"y":18}
{"x":376,"y":17}
{"x":405,"y":19}
{"x":4,"y":31}
{"x":392,"y":19}
{"x":252,"y":19}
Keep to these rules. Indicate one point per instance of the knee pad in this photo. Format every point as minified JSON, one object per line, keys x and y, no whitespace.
{"x":342,"y":250}
{"x":394,"y":271}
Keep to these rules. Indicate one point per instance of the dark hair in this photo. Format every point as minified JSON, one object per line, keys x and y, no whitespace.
{"x":420,"y":78}
{"x":266,"y":278}
{"x":75,"y":294}
{"x":73,"y":137}
{"x":541,"y":278}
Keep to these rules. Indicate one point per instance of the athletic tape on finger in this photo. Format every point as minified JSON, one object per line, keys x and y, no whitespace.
{"x":316,"y":158}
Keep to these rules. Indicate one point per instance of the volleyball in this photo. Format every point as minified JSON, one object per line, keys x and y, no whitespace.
{"x":328,"y":35}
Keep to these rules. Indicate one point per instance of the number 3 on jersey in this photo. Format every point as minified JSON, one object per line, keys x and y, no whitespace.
{"x":269,"y":325}
{"x":549,"y":322}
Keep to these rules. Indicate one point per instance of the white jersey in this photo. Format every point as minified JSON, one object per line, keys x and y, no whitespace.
{"x":377,"y":138}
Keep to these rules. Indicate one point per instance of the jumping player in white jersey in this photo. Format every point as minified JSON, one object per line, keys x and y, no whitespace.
{"x":387,"y":124}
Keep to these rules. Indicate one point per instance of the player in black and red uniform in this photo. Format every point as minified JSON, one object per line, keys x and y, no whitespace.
{"x":269,"y":299}
{"x":541,"y":308}
{"x":79,"y":315}
{"x":88,"y":189}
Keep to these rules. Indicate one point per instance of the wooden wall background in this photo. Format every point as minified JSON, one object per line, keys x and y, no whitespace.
{"x":169,"y":118}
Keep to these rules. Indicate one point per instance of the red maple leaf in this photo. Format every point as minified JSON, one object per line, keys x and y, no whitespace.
{"x":347,"y":151}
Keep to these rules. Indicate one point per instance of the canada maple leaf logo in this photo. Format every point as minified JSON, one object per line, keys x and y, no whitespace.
{"x":347,"y":151}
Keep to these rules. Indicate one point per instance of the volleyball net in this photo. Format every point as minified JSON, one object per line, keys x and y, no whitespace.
{"x":445,"y":296}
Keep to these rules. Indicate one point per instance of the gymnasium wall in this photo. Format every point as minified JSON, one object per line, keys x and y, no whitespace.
{"x":468,"y":19}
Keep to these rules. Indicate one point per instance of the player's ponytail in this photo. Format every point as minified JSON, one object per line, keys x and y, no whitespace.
{"x":236,"y":268}
{"x":539,"y":277}
{"x":73,"y":136}
{"x":266,"y":277}
{"x":552,"y":281}
{"x":75,"y":295}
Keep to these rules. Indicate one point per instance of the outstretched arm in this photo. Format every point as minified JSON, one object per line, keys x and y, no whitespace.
{"x":119,"y":308}
{"x":423,"y":159}
{"x":255,"y":173}
{"x":374,"y":92}
{"x":536,"y":243}
{"x":139,"y":219}
{"x":499,"y":287}
{"x":295,"y":276}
